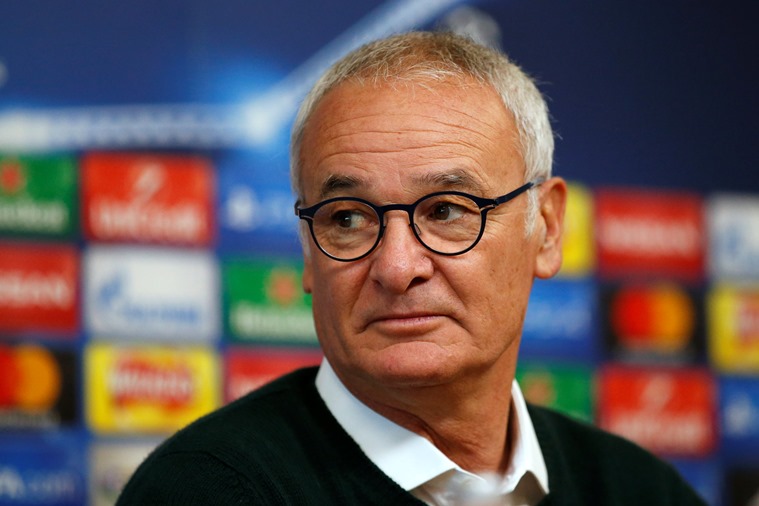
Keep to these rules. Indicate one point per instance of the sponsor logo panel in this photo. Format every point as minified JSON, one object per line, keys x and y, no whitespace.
{"x":733,"y":316}
{"x":265,"y":303}
{"x":255,"y":212}
{"x":652,"y":321}
{"x":650,"y":233}
{"x":739,"y":416}
{"x":38,"y":196}
{"x":42,"y":471}
{"x":578,"y":247}
{"x":734,"y":237}
{"x":151,"y":198}
{"x":148,"y":389}
{"x":671,"y":412}
{"x":565,"y":387}
{"x":38,"y":387}
{"x":111,"y":464}
{"x":247,"y":369}
{"x":39,"y":288}
{"x":561,"y":320}
{"x":151,"y":293}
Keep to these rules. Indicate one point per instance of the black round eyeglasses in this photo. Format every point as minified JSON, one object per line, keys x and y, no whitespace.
{"x":447,"y":222}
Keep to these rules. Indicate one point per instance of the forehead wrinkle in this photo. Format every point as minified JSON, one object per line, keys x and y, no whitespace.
{"x":488,"y":134}
{"x":345,"y":128}
{"x":384,"y":114}
{"x":399,"y":146}
{"x":329,"y":125}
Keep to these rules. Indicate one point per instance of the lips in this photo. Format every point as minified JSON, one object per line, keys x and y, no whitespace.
{"x":415,"y":314}
{"x":404,"y":316}
{"x":406,"y":323}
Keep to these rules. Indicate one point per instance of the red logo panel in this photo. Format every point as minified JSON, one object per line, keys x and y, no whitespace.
{"x":250,"y":369}
{"x":147,"y":198}
{"x":668,"y":411}
{"x":38,"y":288}
{"x":650,"y":233}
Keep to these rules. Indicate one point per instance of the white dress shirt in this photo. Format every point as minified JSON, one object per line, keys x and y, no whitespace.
{"x":419,"y":467}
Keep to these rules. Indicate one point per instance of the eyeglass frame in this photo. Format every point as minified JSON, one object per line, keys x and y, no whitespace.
{"x":484,"y":204}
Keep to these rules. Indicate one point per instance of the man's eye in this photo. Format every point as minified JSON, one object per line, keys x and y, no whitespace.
{"x":348,"y":219}
{"x":446,"y":211}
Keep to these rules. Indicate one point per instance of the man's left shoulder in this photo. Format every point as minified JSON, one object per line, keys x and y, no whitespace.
{"x":602,"y":466}
{"x":575,"y":435}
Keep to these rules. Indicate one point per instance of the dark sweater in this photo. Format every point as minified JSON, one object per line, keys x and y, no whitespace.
{"x":281,"y":445}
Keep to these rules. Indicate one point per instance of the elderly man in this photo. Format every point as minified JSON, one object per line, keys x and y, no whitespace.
{"x":422,"y":166}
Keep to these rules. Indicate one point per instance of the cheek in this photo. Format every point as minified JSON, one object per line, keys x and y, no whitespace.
{"x":500,"y":295}
{"x":322,"y":291}
{"x":326,"y":312}
{"x":334,"y":290}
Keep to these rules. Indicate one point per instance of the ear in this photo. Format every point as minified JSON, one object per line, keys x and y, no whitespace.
{"x":553,"y":201}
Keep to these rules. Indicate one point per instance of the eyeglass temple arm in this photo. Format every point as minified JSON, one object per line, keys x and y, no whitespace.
{"x":513,"y":194}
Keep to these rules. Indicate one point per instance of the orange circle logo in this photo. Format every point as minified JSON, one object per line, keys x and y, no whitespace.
{"x":659,"y":317}
{"x":30,"y":378}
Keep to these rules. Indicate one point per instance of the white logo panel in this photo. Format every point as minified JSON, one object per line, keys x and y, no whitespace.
{"x":151,"y":293}
{"x":734,"y":237}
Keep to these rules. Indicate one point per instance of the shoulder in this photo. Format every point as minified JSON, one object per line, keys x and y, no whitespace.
{"x":234,"y":448}
{"x":266,"y":412}
{"x":573,"y":435}
{"x":594,"y":464}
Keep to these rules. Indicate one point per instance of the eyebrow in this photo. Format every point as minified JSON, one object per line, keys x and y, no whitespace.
{"x":336,"y":183}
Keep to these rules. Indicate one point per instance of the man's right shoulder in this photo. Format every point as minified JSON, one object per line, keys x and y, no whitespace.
{"x":264,"y":433}
{"x":263,"y":414}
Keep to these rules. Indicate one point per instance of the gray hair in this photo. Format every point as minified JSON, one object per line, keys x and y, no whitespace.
{"x":436,"y":56}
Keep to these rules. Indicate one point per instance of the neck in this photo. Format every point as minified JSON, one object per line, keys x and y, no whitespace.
{"x":468,"y":420}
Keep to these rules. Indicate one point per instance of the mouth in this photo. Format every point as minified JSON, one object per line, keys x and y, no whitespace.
{"x":407,"y":324}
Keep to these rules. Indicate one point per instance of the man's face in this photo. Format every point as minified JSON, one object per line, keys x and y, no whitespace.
{"x":404,"y":316}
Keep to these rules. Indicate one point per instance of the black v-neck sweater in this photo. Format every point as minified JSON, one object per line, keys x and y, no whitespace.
{"x":280,"y":445}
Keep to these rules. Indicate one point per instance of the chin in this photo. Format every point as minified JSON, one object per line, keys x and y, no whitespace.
{"x":412,"y":365}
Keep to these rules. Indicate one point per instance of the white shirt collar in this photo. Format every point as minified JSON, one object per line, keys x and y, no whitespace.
{"x":412,"y":460}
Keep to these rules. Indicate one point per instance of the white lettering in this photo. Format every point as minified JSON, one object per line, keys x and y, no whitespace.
{"x":650,"y":237}
{"x":248,"y":320}
{"x":58,"y":486}
{"x":665,"y":432}
{"x":180,"y":223}
{"x":31,"y":216}
{"x":49,"y":487}
{"x":151,"y":384}
{"x":19,"y":289}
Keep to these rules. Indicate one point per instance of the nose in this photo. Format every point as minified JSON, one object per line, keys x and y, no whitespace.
{"x":400,"y":261}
